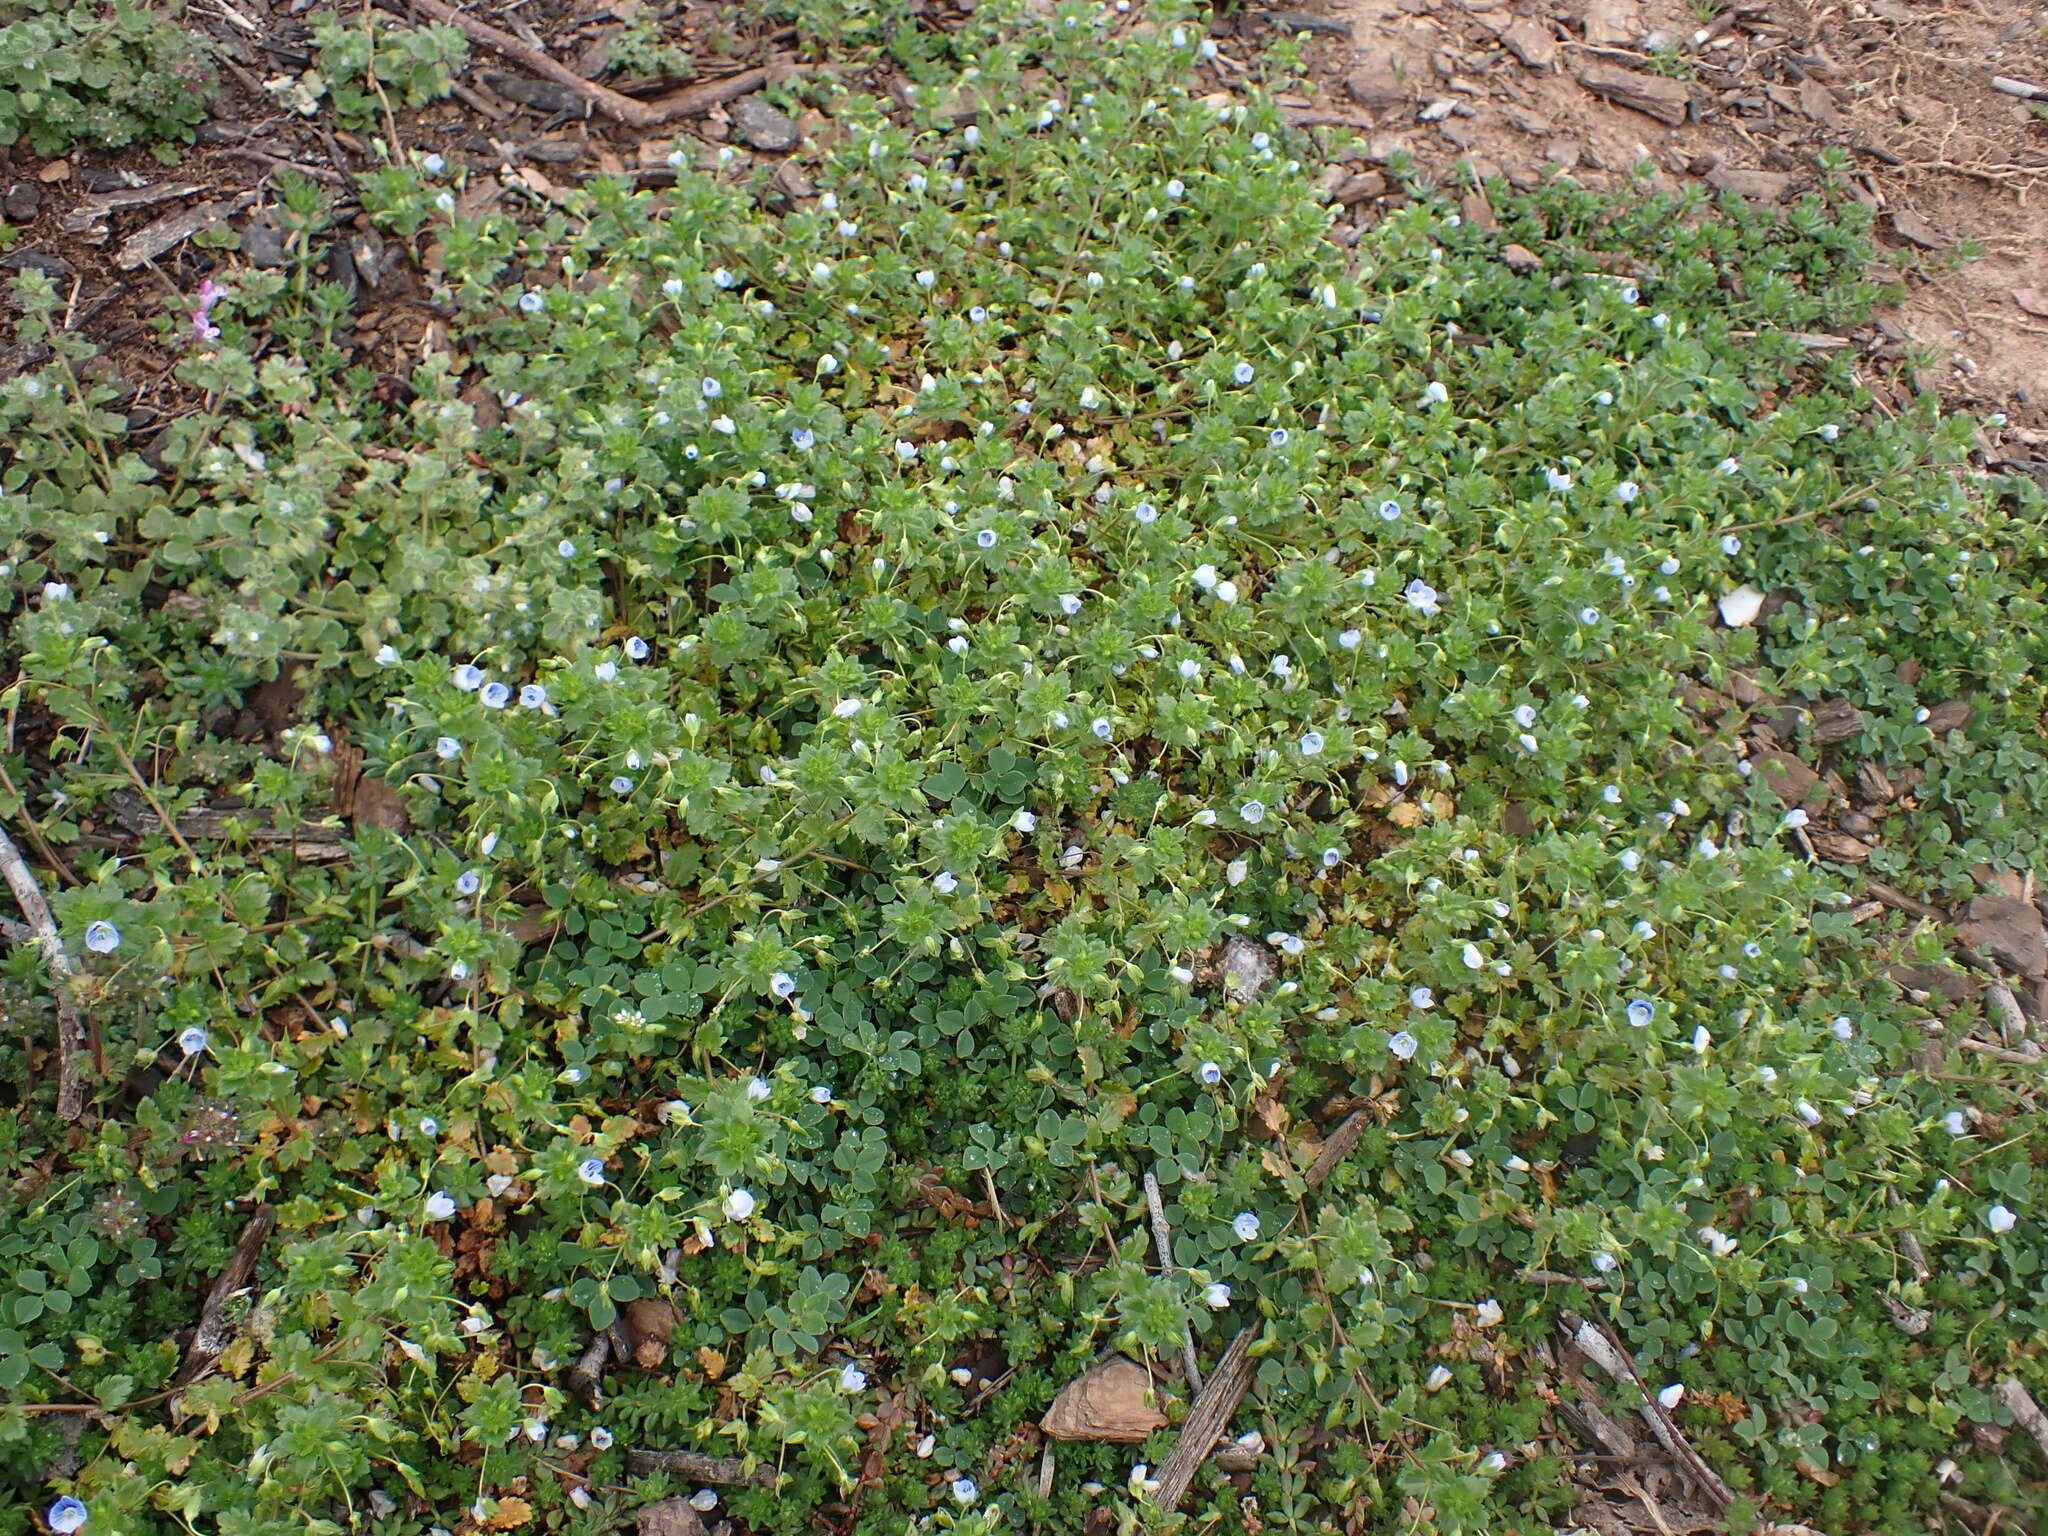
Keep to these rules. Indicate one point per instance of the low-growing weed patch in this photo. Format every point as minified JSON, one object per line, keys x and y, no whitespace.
{"x":811,"y":694}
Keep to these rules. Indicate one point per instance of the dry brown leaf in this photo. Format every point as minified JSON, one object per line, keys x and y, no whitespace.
{"x":511,"y":1513}
{"x":1113,"y":1400}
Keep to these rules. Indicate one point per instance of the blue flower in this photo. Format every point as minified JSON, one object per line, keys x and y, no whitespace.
{"x":782,"y":984}
{"x":1422,"y":597}
{"x":1101,"y":727}
{"x":601,"y":1439}
{"x":1145,"y":512}
{"x":964,"y":1490}
{"x":802,"y":438}
{"x":1311,"y":743}
{"x":1246,"y":1225}
{"x":1421,"y":998}
{"x":945,"y":882}
{"x":533,"y":696}
{"x":1210,"y":1073}
{"x":65,"y":1516}
{"x":621,"y":785}
{"x":636,"y":648}
{"x":1277,"y":437}
{"x":566,"y":549}
{"x":1390,"y":511}
{"x":531,"y":301}
{"x":1242,"y":373}
{"x":468,"y":883}
{"x":986,"y":538}
{"x":468,"y":678}
{"x":1730,"y":544}
{"x":1640,"y":1012}
{"x":192,"y":1040}
{"x":102,"y":938}
{"x":494,"y":695}
{"x":1252,"y":812}
{"x":591,"y":1171}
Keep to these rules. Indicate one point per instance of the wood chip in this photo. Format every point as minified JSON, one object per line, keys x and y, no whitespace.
{"x":152,"y":240}
{"x":1530,"y":41}
{"x":1913,"y":229}
{"x":92,"y":211}
{"x":1654,"y":95}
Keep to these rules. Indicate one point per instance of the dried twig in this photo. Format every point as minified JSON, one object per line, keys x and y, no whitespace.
{"x":1162,"y":1239}
{"x":699,"y":1468}
{"x":1214,"y":1405}
{"x":621,"y":109}
{"x":586,"y":1377}
{"x":2021,"y":1405}
{"x":211,"y":1336}
{"x":1599,"y":1346}
{"x":70,"y":1031}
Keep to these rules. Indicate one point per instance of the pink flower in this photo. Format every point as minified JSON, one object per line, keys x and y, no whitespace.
{"x":210,"y":294}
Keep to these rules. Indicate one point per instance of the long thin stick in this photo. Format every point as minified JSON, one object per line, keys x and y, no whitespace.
{"x":1605,"y":1351}
{"x":1210,"y":1413}
{"x":70,"y":1032}
{"x":211,"y":1336}
{"x":1162,"y":1239}
{"x":698,"y":1467}
{"x":621,"y":109}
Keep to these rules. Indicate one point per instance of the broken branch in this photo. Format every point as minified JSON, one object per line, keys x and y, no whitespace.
{"x":211,"y":1336}
{"x":1210,"y":1413}
{"x":620,"y":109}
{"x":70,"y":1031}
{"x":1162,"y":1239}
{"x":1597,"y":1345}
{"x":699,"y":1468}
{"x":2021,"y":1405}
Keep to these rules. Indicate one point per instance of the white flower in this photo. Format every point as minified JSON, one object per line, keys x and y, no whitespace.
{"x":192,"y":1040}
{"x":1421,"y":998}
{"x":1557,"y":479}
{"x":1025,"y":822}
{"x":439,"y":1206}
{"x":387,"y":656}
{"x":1246,"y":1225}
{"x":822,"y":1094}
{"x":1999,"y":1219}
{"x":1422,"y":597}
{"x":964,"y":1490}
{"x":1235,"y":871}
{"x":1226,"y":591}
{"x":1628,"y":490}
{"x":102,"y":938}
{"x":1807,"y":1112}
{"x":1403,"y":1045}
{"x":1217,"y":1295}
{"x":1437,"y":1379}
{"x":758,"y":1089}
{"x":600,"y":1439}
{"x":1350,"y":639}
{"x":1492,"y":1464}
{"x":1672,"y":1395}
{"x":1604,"y":1262}
{"x":1955,"y":1123}
{"x":945,"y":882}
{"x":591,"y":1171}
{"x":1436,"y":394}
{"x":738,"y":1205}
{"x":852,"y":1378}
